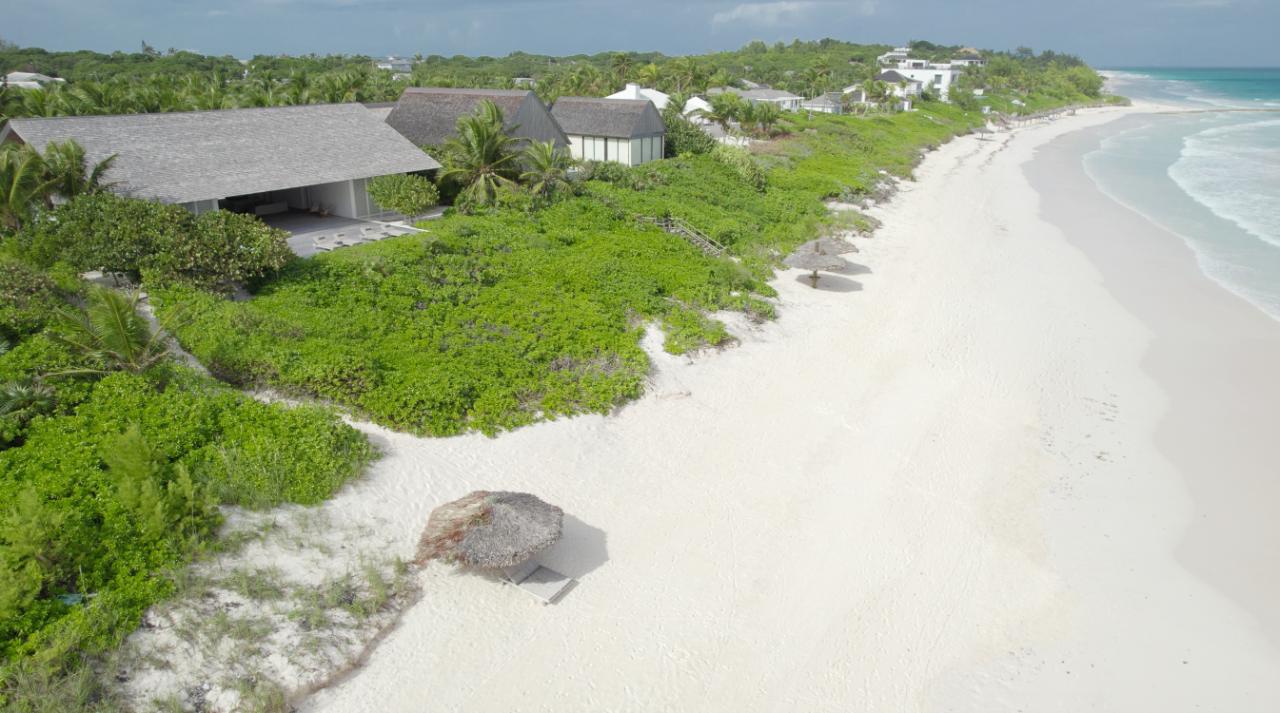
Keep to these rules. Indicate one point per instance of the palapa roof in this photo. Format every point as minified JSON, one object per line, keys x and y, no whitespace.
{"x":612,"y":118}
{"x":428,"y":116}
{"x":181,"y":157}
{"x":813,"y":260}
{"x":490,"y":529}
{"x":829,"y":246}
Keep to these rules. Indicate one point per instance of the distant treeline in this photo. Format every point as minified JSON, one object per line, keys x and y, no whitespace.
{"x":151,"y":80}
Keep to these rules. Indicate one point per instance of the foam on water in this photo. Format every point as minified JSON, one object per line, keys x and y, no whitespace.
{"x":1211,"y":178}
{"x":1235,"y":172}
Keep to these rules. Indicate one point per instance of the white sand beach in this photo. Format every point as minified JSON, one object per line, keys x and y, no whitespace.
{"x":966,"y":476}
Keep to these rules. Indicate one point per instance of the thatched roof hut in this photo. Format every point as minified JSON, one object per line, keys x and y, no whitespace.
{"x":828,"y":246}
{"x":490,"y":529}
{"x":815,"y":261}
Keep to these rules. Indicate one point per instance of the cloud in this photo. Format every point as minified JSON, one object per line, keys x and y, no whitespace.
{"x":783,"y":12}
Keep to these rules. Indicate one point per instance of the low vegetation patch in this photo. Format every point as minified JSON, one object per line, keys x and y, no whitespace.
{"x":114,"y":466}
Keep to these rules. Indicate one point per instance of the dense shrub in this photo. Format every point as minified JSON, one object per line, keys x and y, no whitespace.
{"x":28,"y":299}
{"x":742,"y":164}
{"x":118,"y":234}
{"x":684,"y":137}
{"x":218,"y":249}
{"x":404,"y":193}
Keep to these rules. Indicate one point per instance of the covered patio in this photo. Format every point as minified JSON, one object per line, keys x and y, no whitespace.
{"x":311,"y":233}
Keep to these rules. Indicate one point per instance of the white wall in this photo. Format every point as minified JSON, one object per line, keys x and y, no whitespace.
{"x":199,"y":207}
{"x":629,"y":153}
{"x":938,"y":79}
{"x":337,"y":198}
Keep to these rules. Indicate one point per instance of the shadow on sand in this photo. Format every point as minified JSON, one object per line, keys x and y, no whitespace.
{"x":827,"y":283}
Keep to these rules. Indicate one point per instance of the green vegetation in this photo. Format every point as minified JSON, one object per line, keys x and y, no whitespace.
{"x":404,"y":193}
{"x":113,"y":462}
{"x":150,"y":81}
{"x":494,"y":320}
{"x":102,"y":231}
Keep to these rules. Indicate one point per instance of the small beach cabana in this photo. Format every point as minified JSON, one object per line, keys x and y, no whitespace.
{"x":814,"y":260}
{"x":627,"y":131}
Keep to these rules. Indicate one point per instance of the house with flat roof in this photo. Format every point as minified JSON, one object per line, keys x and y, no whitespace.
{"x":262,"y":161}
{"x":428,"y":116}
{"x":628,"y":131}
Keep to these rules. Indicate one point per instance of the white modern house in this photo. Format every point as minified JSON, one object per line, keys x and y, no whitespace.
{"x":894,"y":56}
{"x":968,"y":57}
{"x":30,"y":80}
{"x":626,"y":131}
{"x":937,"y":78}
{"x":635,"y":91}
{"x":263,"y":161}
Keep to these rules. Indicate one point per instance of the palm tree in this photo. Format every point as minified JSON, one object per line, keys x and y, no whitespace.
{"x":24,"y":398}
{"x":67,"y":172}
{"x":546,"y":169}
{"x":110,"y":334}
{"x":649,"y":75}
{"x":766,"y":115}
{"x":621,"y":64}
{"x":480,"y":156}
{"x":725,"y":108}
{"x":22,"y":185}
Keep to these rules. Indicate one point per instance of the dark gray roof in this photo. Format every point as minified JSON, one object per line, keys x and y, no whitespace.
{"x":428,"y":116}
{"x":181,"y":157}
{"x":614,"y":118}
{"x":893,"y":77}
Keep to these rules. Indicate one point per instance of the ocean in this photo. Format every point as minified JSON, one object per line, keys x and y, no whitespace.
{"x":1208,"y":175}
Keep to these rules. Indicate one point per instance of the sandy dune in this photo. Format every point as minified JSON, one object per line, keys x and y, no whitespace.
{"x":881,"y":502}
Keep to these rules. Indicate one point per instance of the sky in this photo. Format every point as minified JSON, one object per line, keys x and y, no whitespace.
{"x":1106,"y":33}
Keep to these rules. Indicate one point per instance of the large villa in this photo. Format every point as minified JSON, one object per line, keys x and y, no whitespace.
{"x":264,"y":161}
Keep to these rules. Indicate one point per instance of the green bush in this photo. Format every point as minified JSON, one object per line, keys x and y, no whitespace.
{"x":217,"y":250}
{"x":28,"y":299}
{"x":118,"y":234}
{"x":684,"y":137}
{"x":742,"y":164}
{"x":406,"y":194}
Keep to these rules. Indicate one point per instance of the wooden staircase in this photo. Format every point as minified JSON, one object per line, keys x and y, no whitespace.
{"x":697,"y":238}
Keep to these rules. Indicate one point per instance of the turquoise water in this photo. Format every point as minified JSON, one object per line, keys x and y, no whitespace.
{"x":1204,"y":171}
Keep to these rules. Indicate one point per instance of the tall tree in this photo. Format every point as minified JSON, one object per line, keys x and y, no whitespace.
{"x":480,"y":158}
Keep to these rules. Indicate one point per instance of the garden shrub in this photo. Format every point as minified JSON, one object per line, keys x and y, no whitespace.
{"x":28,"y":299}
{"x":685,"y":137}
{"x":217,"y":250}
{"x":742,"y":164}
{"x":406,"y":194}
{"x":118,"y":234}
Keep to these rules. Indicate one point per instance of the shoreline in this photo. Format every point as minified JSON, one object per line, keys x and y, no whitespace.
{"x":933,"y":485}
{"x":878,"y":510}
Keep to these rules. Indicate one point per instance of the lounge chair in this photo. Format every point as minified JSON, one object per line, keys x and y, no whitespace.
{"x":542,"y":582}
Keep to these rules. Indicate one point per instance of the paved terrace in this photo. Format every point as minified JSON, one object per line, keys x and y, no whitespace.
{"x":313,"y":234}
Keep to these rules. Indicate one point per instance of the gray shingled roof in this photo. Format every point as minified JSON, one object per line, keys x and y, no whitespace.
{"x":822,"y":100}
{"x":613,"y":118}
{"x":428,"y":116}
{"x":201,"y":155}
{"x":893,"y":77}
